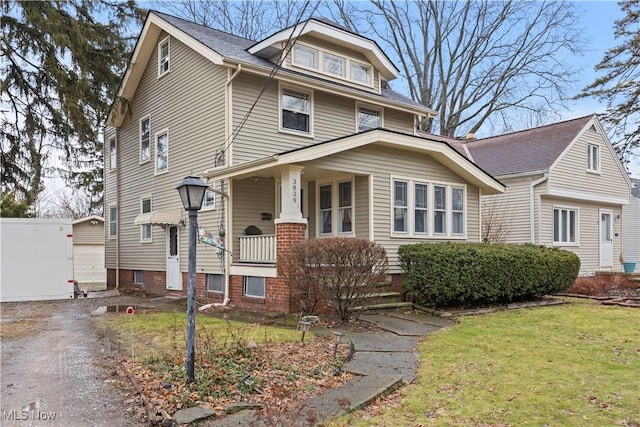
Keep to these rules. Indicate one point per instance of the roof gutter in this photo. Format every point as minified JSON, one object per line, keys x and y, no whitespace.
{"x":532,"y":211}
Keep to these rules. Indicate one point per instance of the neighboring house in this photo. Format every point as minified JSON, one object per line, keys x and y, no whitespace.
{"x":631,"y":226}
{"x":88,"y":253}
{"x":565,"y":188}
{"x":324,"y":148}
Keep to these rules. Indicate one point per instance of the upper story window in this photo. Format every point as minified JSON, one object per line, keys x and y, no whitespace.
{"x":333,"y":64}
{"x":305,"y":56}
{"x":361,"y":73}
{"x":564,"y":225}
{"x":163,"y":57}
{"x":145,"y":140}
{"x":145,"y":229}
{"x":593,"y":158}
{"x":162,"y":151}
{"x":112,"y":153}
{"x":295,"y":110}
{"x":369,"y":118}
{"x":415,"y":202}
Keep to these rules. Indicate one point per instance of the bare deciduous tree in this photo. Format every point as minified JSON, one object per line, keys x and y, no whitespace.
{"x":474,"y":61}
{"x":495,"y":220}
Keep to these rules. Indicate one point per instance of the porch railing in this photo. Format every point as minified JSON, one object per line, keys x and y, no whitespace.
{"x":258,"y":249}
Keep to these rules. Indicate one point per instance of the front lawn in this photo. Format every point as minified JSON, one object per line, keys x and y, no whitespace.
{"x":576,"y":364}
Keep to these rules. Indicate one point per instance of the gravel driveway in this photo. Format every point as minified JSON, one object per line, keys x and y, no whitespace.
{"x":61,"y":374}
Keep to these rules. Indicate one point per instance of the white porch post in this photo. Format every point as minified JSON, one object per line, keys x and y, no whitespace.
{"x":290,"y":199}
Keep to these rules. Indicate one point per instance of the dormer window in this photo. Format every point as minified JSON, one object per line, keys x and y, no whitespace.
{"x":361,"y":73}
{"x":305,"y":56}
{"x":333,"y":65}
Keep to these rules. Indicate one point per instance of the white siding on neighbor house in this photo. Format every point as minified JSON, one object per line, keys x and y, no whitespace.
{"x":250,"y":198}
{"x":570,"y":173}
{"x":188,"y":101}
{"x":631,"y":231}
{"x":86,"y":233}
{"x":382,"y":163}
{"x":588,"y":247}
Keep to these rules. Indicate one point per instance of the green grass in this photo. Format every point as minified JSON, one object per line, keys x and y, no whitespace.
{"x":163,"y":334}
{"x":576,"y":364}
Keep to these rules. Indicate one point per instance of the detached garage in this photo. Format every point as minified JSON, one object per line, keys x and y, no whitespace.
{"x":88,"y":253}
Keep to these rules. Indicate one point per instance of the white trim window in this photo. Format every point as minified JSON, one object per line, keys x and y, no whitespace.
{"x":422,"y":209}
{"x":209,"y":201}
{"x":333,"y":64}
{"x":305,"y":56}
{"x":400,"y":206}
{"x":145,"y":229}
{"x":326,"y":209}
{"x":162,"y":151}
{"x":112,"y":153}
{"x":439,"y":209}
{"x":295,"y":110}
{"x":361,"y":73}
{"x":565,"y":226}
{"x":215,"y":283}
{"x":113,"y":221}
{"x":145,"y":140}
{"x":254,"y":287}
{"x":345,"y":207}
{"x":368,"y":118}
{"x":163,"y":57}
{"x":593,"y":158}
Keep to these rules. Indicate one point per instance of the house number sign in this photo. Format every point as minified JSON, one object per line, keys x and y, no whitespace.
{"x":294,"y":188}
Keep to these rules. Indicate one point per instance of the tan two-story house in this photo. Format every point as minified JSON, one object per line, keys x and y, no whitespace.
{"x":299,"y":136}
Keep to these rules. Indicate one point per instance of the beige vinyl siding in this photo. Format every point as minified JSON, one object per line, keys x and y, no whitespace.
{"x":361,"y":206}
{"x":382,"y":163}
{"x":194,"y":116}
{"x":109,"y":199}
{"x":86,"y":234}
{"x":250,"y":198}
{"x":332,"y":116}
{"x":570,"y":174}
{"x":631,"y":231}
{"x":512,"y":209}
{"x":588,"y":248}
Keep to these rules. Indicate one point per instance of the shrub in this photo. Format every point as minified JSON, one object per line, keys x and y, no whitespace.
{"x":342,"y":271}
{"x":452,"y":274}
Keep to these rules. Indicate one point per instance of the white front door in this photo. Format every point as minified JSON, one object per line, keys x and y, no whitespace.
{"x":174,"y":278}
{"x":606,"y":239}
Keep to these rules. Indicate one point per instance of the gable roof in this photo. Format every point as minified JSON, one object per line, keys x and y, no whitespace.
{"x":226,"y":49}
{"x":88,"y":218}
{"x":531,"y":150}
{"x":441,"y":151}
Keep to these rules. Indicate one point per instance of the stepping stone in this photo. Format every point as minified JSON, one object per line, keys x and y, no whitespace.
{"x":189,"y":415}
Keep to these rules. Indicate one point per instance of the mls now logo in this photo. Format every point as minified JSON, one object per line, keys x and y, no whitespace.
{"x":24,"y":414}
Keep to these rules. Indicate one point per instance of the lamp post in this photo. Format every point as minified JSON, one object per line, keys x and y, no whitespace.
{"x":337,"y":337}
{"x":192,"y":190}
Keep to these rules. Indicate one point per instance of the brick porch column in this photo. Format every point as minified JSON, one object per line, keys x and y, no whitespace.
{"x":287,"y":235}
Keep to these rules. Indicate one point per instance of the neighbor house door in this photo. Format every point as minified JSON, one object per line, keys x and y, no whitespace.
{"x":606,"y":239}
{"x":174,"y":278}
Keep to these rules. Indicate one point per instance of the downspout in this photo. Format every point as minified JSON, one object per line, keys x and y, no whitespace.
{"x":532,"y":211}
{"x":227,"y":144}
{"x":118,"y":166}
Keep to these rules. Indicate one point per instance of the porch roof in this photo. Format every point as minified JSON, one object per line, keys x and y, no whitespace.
{"x":439,"y":150}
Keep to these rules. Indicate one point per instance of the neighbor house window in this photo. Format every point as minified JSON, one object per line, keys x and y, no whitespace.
{"x":112,"y":153}
{"x":457,"y":210}
{"x":400,"y":206}
{"x":305,"y":56}
{"x":333,"y":64}
{"x":162,"y":152}
{"x":439,"y":209}
{"x":360,"y":73}
{"x":564,"y":225}
{"x":215,"y":283}
{"x":254,"y":286}
{"x":163,"y":57}
{"x":145,"y":140}
{"x":138,"y":277}
{"x":593,"y":158}
{"x":345,"y":207}
{"x":296,"y":110}
{"x":368,"y":118}
{"x":325,"y":209}
{"x":145,"y":229}
{"x":113,"y":221}
{"x":420,"y":205}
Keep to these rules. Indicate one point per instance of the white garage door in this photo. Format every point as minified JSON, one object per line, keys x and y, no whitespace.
{"x":88,"y":266}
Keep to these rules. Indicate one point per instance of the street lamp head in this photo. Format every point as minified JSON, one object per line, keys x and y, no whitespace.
{"x":337,"y":337}
{"x":192,"y":190}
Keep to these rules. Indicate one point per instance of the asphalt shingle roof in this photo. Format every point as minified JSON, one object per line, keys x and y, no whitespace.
{"x":235,"y":48}
{"x":525,"y":151}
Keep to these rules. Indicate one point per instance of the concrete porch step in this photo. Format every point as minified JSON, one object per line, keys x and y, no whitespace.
{"x":384,"y":306}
